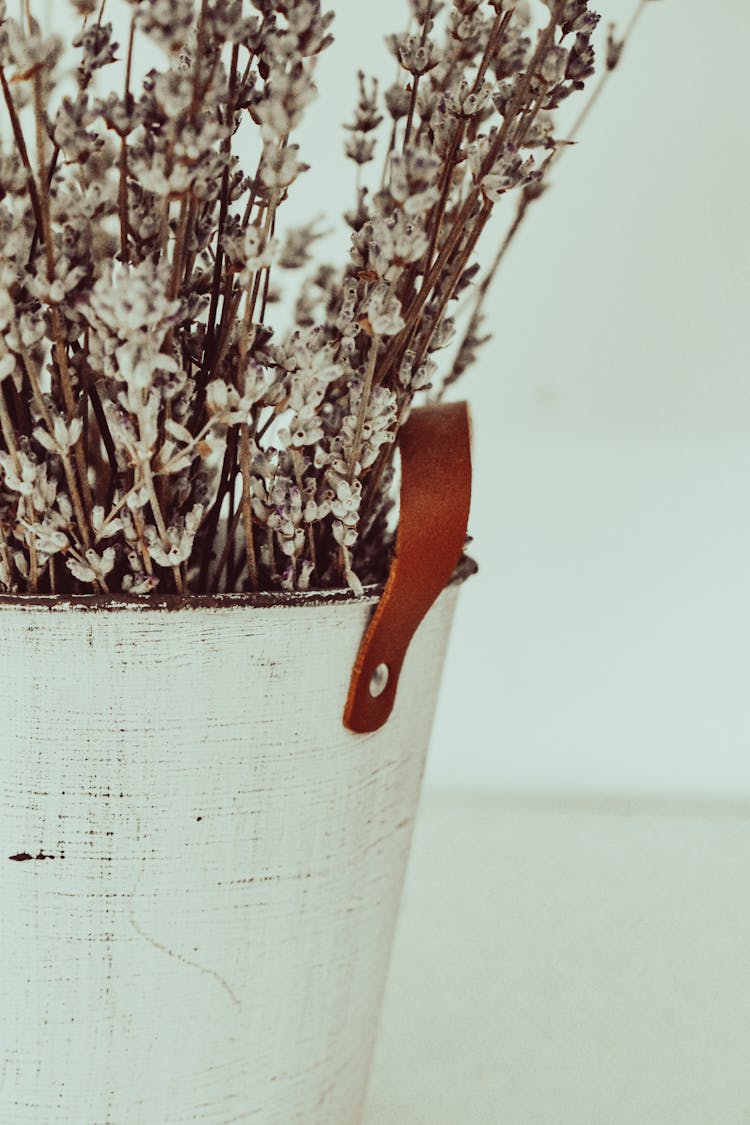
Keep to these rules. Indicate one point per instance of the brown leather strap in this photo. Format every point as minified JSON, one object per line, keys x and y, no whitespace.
{"x":435,"y":498}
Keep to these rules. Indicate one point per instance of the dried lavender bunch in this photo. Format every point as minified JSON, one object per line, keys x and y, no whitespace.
{"x":157,"y":434}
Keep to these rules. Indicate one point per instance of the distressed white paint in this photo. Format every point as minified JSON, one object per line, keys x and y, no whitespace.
{"x":210,"y":940}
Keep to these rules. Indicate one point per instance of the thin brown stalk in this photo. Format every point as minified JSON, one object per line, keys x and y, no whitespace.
{"x":140,"y":532}
{"x":252,"y":302}
{"x":266,"y":287}
{"x":438,"y":213}
{"x":123,"y":163}
{"x":190,"y":255}
{"x":270,"y":547}
{"x":161,"y":527}
{"x":75,"y":497}
{"x":36,"y":391}
{"x":245,"y":345}
{"x":386,"y":453}
{"x":18,"y":136}
{"x":232,"y":511}
{"x":254,"y":283}
{"x":297,"y":463}
{"x":604,"y":76}
{"x":8,"y":432}
{"x":199,"y":53}
{"x":6,"y":555}
{"x":164,"y":226}
{"x":445,"y":187}
{"x":223,"y":208}
{"x":415,"y":81}
{"x":215,"y":350}
{"x":386,"y":161}
{"x":528,"y":196}
{"x":56,"y":150}
{"x":497,"y":31}
{"x":70,"y":474}
{"x":224,"y":560}
{"x":211,"y":522}
{"x":252,"y":196}
{"x":412,"y":108}
{"x":213,"y":361}
{"x":484,"y":286}
{"x":44,"y":196}
{"x":246,"y":505}
{"x":528,"y":117}
{"x":461,"y":264}
{"x":58,"y":333}
{"x":384,"y":457}
{"x":37,"y":228}
{"x":459,"y":225}
{"x":101,"y":421}
{"x":364,"y":402}
{"x":179,"y":252}
{"x":33,"y":564}
{"x":20,"y":411}
{"x":83,"y":500}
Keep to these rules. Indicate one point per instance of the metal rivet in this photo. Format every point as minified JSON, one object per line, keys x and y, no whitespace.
{"x":379,"y":680}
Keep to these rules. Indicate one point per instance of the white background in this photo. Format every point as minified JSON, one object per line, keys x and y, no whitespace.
{"x":604,"y":645}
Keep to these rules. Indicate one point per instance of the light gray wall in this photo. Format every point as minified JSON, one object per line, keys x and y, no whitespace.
{"x":606,"y":643}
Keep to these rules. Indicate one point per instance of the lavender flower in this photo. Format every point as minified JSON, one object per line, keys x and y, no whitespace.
{"x":157,"y":430}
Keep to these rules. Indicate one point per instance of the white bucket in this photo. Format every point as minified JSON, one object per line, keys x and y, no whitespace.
{"x":200,"y":867}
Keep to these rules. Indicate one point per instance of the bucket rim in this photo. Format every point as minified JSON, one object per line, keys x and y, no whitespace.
{"x":171,"y":603}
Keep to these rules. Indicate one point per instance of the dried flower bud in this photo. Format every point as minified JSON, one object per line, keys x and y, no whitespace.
{"x":581,"y":61}
{"x":509,"y":169}
{"x":614,"y":48}
{"x":425,"y":10}
{"x":278,"y":109}
{"x":573,"y":15}
{"x":360,"y":149}
{"x":168,"y":22}
{"x":63,"y":436}
{"x":384,"y":313}
{"x":70,"y":132}
{"x":30,"y":52}
{"x":19,"y":472}
{"x":296,"y":249}
{"x":97,"y":50}
{"x":414,"y":176}
{"x":95,"y":568}
{"x":414,"y":55}
{"x":366,"y":115}
{"x":553,"y":65}
{"x":385,"y":245}
{"x":397,"y":100}
{"x":85,"y":8}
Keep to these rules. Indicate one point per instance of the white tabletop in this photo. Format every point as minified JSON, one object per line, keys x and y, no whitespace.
{"x":569,"y":962}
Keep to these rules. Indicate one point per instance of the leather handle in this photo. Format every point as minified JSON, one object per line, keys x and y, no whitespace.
{"x":435,"y":449}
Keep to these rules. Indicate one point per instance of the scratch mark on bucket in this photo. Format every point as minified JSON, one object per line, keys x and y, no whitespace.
{"x":162,"y":948}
